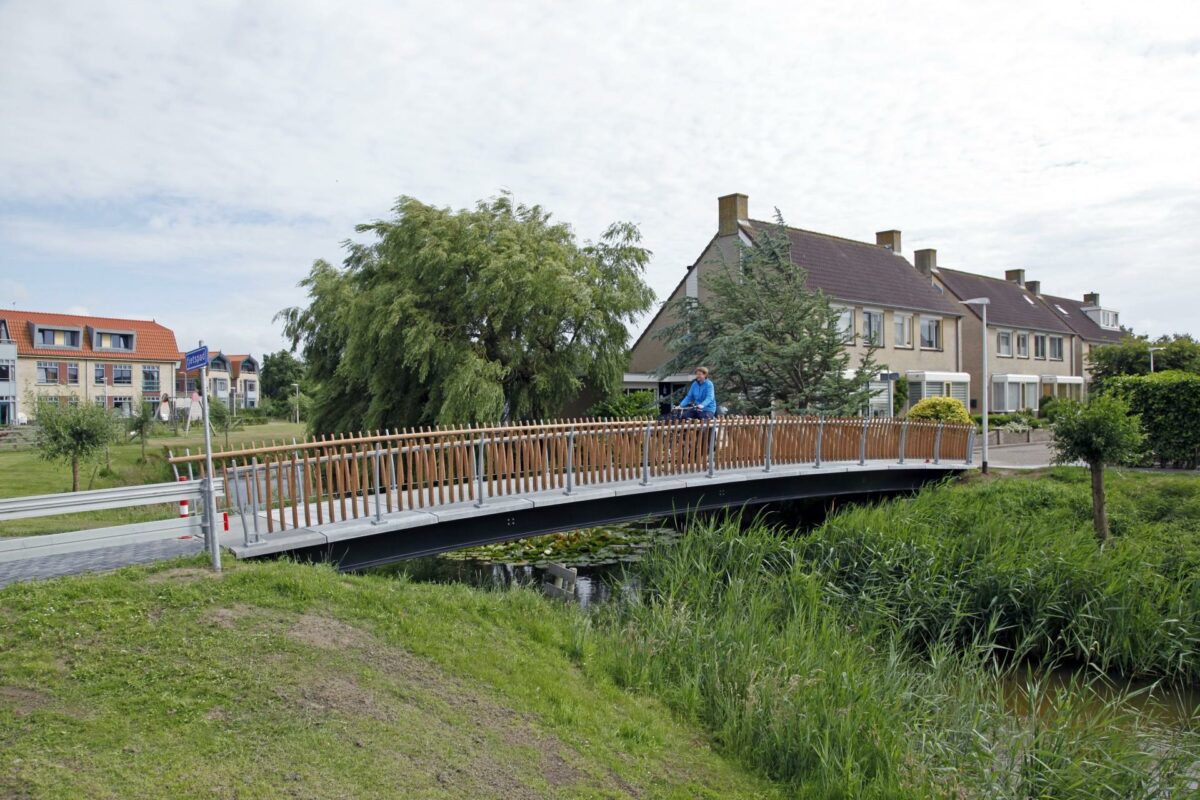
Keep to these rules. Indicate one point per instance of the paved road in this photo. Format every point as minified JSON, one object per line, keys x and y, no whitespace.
{"x":1017,"y":456}
{"x":97,"y":560}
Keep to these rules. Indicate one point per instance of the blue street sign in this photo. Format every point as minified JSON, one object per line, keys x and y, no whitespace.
{"x":195,"y":359}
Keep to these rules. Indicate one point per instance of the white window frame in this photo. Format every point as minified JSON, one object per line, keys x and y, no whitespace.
{"x":72,"y":365}
{"x":1022,"y":350}
{"x":1040,"y":339}
{"x":1004,"y":343}
{"x":117,"y":381}
{"x":846,"y":322}
{"x":868,"y":313}
{"x":43,"y":368}
{"x":902,"y":330}
{"x":156,"y":385}
{"x":938,"y":345}
{"x":1062,"y":351}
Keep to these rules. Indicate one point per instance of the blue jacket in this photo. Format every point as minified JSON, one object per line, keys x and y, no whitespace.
{"x":701,"y":395}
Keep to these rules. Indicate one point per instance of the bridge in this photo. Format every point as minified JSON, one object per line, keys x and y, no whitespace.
{"x":374,"y":498}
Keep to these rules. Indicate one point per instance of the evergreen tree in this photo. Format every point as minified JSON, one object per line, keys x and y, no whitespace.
{"x":770,"y":340}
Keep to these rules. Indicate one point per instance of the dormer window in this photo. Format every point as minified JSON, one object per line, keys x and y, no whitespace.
{"x":1109,"y":319}
{"x":109,"y":340}
{"x":55,"y":337}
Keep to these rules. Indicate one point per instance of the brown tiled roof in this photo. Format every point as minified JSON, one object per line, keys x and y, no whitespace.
{"x":153,"y":342}
{"x":859,"y":272}
{"x":1012,"y":304}
{"x":1071,"y":313}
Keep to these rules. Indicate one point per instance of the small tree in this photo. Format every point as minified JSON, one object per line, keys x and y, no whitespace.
{"x":1098,"y":432}
{"x":73,"y":433}
{"x":222,"y":419}
{"x":141,"y":424}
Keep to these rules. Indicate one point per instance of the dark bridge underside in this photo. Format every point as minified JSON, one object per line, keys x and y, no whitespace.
{"x":389,"y":546}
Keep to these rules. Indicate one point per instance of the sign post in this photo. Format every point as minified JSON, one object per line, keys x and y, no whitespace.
{"x":198,"y":359}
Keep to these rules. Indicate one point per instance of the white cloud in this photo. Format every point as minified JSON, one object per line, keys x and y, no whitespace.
{"x":203,"y":154}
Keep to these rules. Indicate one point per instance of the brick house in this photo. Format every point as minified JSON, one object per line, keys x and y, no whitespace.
{"x":232,"y":379}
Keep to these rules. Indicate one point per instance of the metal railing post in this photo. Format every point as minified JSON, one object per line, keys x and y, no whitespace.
{"x":378,"y":495}
{"x":241,"y":506}
{"x":903,"y":439}
{"x":862,"y":445}
{"x":570,"y":461}
{"x":646,"y":456}
{"x":820,"y":436}
{"x":971,"y":446}
{"x":479,"y":471}
{"x":767,"y":448}
{"x":937,"y":444}
{"x":712,"y":446}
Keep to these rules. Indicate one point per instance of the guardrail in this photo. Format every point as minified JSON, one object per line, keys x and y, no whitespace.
{"x":45,"y":505}
{"x":342,"y":477}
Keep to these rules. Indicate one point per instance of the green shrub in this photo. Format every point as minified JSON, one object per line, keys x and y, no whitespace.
{"x":626,"y":405}
{"x":1169,"y":405}
{"x":940,"y":409}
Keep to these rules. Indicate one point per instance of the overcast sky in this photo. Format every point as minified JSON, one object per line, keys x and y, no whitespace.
{"x":187,"y":161}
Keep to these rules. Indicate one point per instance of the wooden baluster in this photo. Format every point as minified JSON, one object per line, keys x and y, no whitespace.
{"x":279,"y":470}
{"x":320,"y":487}
{"x":293,"y":495}
{"x":306,"y":480}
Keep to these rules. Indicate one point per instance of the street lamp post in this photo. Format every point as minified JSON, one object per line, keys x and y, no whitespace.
{"x":983,"y":302}
{"x":1152,"y":350}
{"x":296,"y":386}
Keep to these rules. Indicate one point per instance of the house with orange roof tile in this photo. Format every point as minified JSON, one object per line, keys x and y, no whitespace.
{"x":232,"y":379}
{"x":116,"y":363}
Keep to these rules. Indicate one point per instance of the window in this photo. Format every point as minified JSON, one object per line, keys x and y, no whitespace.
{"x":931,"y":333}
{"x":1022,"y":345}
{"x":1109,"y":319}
{"x":1039,"y":346}
{"x":47,"y":372}
{"x":5,"y":372}
{"x":123,"y":405}
{"x":1004,"y":344}
{"x":251,"y":386}
{"x":873,"y":327}
{"x":1056,"y":348}
{"x":220,"y":386}
{"x":846,"y":324}
{"x":73,"y":374}
{"x":149,"y":378}
{"x":122,"y":375}
{"x":45,"y":336}
{"x":1061,"y":310}
{"x":98,"y":375}
{"x":903,"y":330}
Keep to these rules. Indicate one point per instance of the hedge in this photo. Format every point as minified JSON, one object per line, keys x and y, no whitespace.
{"x":1169,"y":405}
{"x":944,"y":409}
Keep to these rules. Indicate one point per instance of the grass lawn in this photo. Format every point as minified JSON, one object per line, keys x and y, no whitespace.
{"x":23,"y":472}
{"x":276,"y":679}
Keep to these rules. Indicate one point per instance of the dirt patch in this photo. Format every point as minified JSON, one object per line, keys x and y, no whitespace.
{"x":341,"y":694}
{"x":328,"y":633}
{"x":554,"y":768}
{"x":229,"y":616}
{"x":23,"y":702}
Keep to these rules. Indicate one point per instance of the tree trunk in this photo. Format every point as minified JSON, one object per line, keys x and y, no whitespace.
{"x":74,"y":474}
{"x":1099,"y":509}
{"x":143,"y":448}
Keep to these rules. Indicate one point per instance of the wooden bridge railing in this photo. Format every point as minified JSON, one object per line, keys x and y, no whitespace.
{"x":334,"y":478}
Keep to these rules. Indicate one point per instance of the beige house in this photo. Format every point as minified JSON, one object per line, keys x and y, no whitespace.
{"x":232,"y":379}
{"x":1032,"y":353}
{"x":882,"y":296}
{"x":117,"y":363}
{"x":1094,"y":325}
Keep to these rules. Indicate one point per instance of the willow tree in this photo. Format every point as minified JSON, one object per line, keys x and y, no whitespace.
{"x":770,"y":340}
{"x":467,"y":316}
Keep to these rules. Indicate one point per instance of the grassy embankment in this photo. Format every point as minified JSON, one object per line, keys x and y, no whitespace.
{"x":283,"y":680}
{"x":860,"y":660}
{"x":23,"y":472}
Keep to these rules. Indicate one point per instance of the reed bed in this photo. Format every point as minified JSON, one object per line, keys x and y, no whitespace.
{"x":799,"y":653}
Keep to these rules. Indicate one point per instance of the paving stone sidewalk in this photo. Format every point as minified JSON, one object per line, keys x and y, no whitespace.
{"x":96,"y":560}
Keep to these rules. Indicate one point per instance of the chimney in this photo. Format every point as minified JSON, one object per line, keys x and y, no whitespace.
{"x":730,"y":209}
{"x":1035,"y":287}
{"x":1017,"y":276}
{"x":889,"y":240}
{"x":926,"y":261}
{"x":1092,"y":299}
